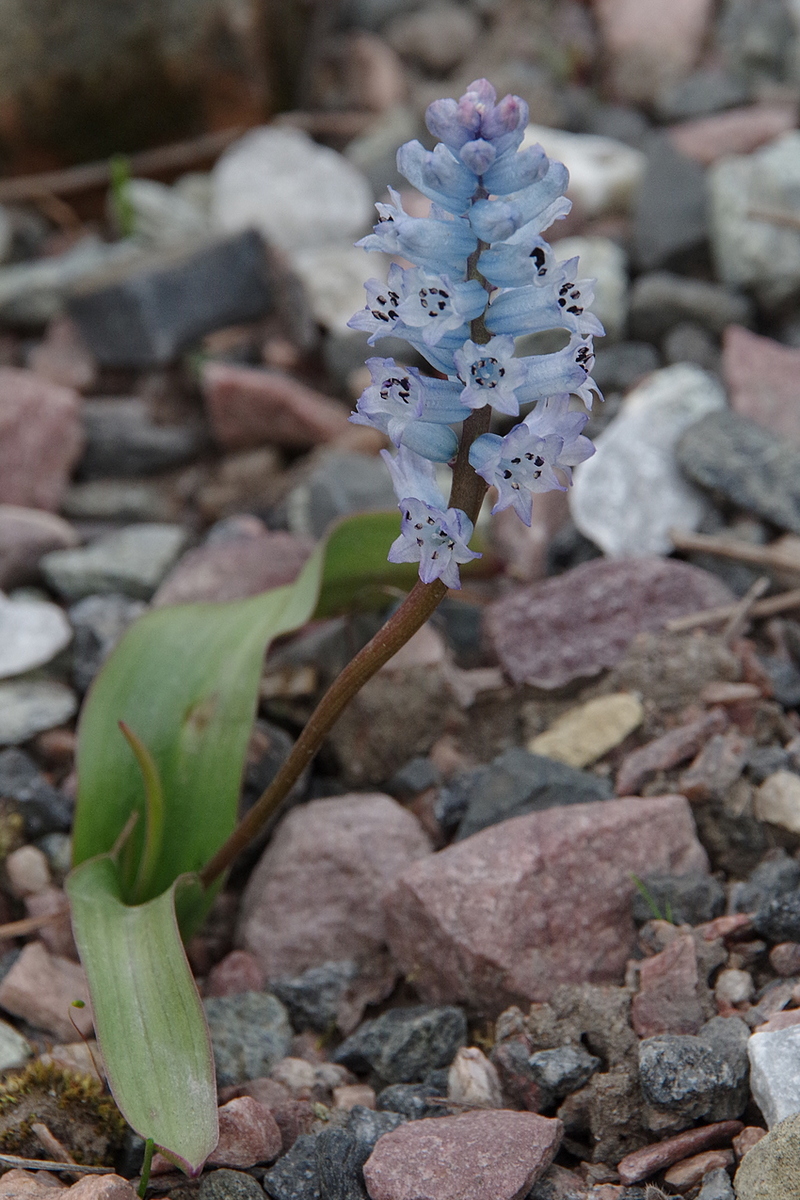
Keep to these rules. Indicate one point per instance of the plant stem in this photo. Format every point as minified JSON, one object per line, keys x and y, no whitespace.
{"x":147,"y":1161}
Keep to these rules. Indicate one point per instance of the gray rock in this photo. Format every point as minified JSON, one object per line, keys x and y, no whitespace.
{"x":764,"y":761}
{"x":404,"y":1044}
{"x":757,"y":42}
{"x":696,"y":1077}
{"x":340,"y":1159}
{"x":771,"y":879}
{"x":58,"y":849}
{"x":296,"y":1175}
{"x":25,"y":535}
{"x":779,"y":919}
{"x":689,"y":899}
{"x":563,"y":1069}
{"x":617,"y":368}
{"x":755,"y":469}
{"x":416,"y":776}
{"x":717,"y":1186}
{"x":771,"y":1170}
{"x":775,"y":1073}
{"x":250,"y":1032}
{"x":123,"y":440}
{"x":32,"y":632}
{"x":630,"y":493}
{"x":32,"y":293}
{"x":122,"y":501}
{"x":785,"y":679}
{"x":312,"y":999}
{"x":340,"y":484}
{"x":99,"y":622}
{"x":14,"y":1048}
{"x":166,"y":216}
{"x":229,"y":1185}
{"x":144,"y":313}
{"x":410,"y":1100}
{"x":670,"y":220}
{"x":133,"y":562}
{"x":514,"y":783}
{"x":660,"y":300}
{"x":690,"y":343}
{"x":368,"y":1125}
{"x":753,"y":251}
{"x":43,"y":808}
{"x":28,"y":707}
{"x":699,"y":94}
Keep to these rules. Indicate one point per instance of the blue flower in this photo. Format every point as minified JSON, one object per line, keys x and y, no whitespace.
{"x":477,"y":117}
{"x":440,"y":242}
{"x":566,"y":371}
{"x":563,"y":304}
{"x":438,"y":175}
{"x":525,"y":259}
{"x":414,"y":410}
{"x":431,"y":535}
{"x":536,"y":456}
{"x":490,"y":373}
{"x":496,"y":220}
{"x":420,"y":306}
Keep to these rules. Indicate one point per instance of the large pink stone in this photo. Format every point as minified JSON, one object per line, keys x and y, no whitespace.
{"x":510,"y":913}
{"x":41,"y":988}
{"x":649,"y":44}
{"x":249,"y":407}
{"x":492,"y":1155}
{"x":762,"y":380}
{"x":578,"y":623}
{"x":233,"y":570}
{"x":739,"y":131}
{"x":40,"y":439}
{"x":316,"y":894}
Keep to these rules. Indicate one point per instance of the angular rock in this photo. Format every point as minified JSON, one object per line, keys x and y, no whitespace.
{"x":775,"y":1073}
{"x":42,"y":807}
{"x":647,"y":1161}
{"x":692,"y":1171}
{"x":32,"y":632}
{"x":99,"y":623}
{"x":122,"y":439}
{"x":672,"y":748}
{"x":473,"y":1080}
{"x":738,"y":131}
{"x":761,"y":380}
{"x":661,"y":300}
{"x":771,"y":880}
{"x":143,"y":313}
{"x":220,"y":571}
{"x":579,"y":623}
{"x":248,"y":407}
{"x":670,"y":221}
{"x":295,"y":1176}
{"x":716,"y":1185}
{"x":341,"y":483}
{"x":457,"y":921}
{"x":313,"y":998}
{"x":604,"y":174}
{"x":300,"y":910}
{"x":496,"y":1155}
{"x":132,"y":561}
{"x":686,"y":1078}
{"x":41,"y":987}
{"x":237,"y":972}
{"x":778,"y":801}
{"x":63,"y":357}
{"x":646,"y":48}
{"x":772,"y":1167}
{"x":584,"y":734}
{"x":250,"y":1032}
{"x":404,"y":1044}
{"x":28,"y":707}
{"x":340,"y":1160}
{"x":672,"y":996}
{"x":688,"y":899}
{"x":755,"y":469}
{"x":247,"y":1134}
{"x":40,"y":439}
{"x":716,"y":768}
{"x":562,"y":1070}
{"x":25,"y":535}
{"x":628,"y":496}
{"x":224,"y":1184}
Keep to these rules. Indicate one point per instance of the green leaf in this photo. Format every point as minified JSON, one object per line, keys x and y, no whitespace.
{"x":147,"y":1012}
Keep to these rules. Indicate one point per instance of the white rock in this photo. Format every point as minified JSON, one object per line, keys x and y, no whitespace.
{"x":164,"y":217}
{"x":14,"y":1048}
{"x":628,"y":496}
{"x":32,"y":632}
{"x":752,"y":250}
{"x":28,"y":871}
{"x":778,"y":801}
{"x":604,"y":174}
{"x":775,"y":1073}
{"x":472,"y":1079}
{"x":734,"y":987}
{"x":28,"y":707}
{"x":334,"y":278}
{"x":605,"y":262}
{"x":296,"y":193}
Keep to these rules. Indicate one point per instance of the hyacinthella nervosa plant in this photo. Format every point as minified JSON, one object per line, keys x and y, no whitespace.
{"x":481,"y":275}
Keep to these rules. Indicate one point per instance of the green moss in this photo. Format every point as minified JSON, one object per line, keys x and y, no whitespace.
{"x":74,"y":1107}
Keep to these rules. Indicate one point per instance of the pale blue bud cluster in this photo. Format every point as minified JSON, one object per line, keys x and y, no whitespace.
{"x":479,"y":264}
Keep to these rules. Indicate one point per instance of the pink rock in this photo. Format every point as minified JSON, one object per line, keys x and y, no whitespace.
{"x":350,"y":1094}
{"x":717,"y":767}
{"x":249,"y":407}
{"x":738,"y":131}
{"x":248,"y":1134}
{"x":40,"y":439}
{"x":785,"y":959}
{"x":494,"y":1155}
{"x":648,"y":44}
{"x":16,"y":1184}
{"x":40,"y":988}
{"x":584,"y":620}
{"x":237,"y":972}
{"x":761,"y":378}
{"x":57,"y":935}
{"x":101,"y":1187}
{"x":779,"y":1020}
{"x":63,"y":356}
{"x":645,"y":1162}
{"x":316,"y":893}
{"x":669,"y":996}
{"x":673,"y":747}
{"x":25,"y":535}
{"x":690,"y":1171}
{"x":232,"y":570}
{"x":506,"y":915}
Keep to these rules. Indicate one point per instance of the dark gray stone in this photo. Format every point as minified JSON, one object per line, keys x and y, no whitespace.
{"x":340,"y":484}
{"x":763,"y":761}
{"x":773,"y":878}
{"x":404,"y":1044}
{"x":661,"y":300}
{"x":670,"y":218}
{"x":514,"y":783}
{"x":779,"y":919}
{"x":697,"y":1078}
{"x":312,"y":998}
{"x":785,"y":679}
{"x":700,"y":94}
{"x":43,"y":808}
{"x":688,"y":342}
{"x":368,"y":1125}
{"x":99,"y":622}
{"x":717,"y":1186}
{"x":123,"y":440}
{"x":250,"y":1032}
{"x":229,"y":1185}
{"x":144,"y":314}
{"x":617,"y":368}
{"x":755,"y":469}
{"x":296,"y":1175}
{"x":409,"y":1099}
{"x":340,"y":1160}
{"x":689,"y":899}
{"x":756,"y":42}
{"x":563,"y":1069}
{"x":416,"y":776}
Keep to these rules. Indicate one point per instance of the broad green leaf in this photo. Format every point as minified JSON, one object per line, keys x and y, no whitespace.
{"x":147,"y":1012}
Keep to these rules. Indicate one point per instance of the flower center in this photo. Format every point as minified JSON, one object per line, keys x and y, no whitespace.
{"x":565,"y":295}
{"x":434,"y":300}
{"x":387,"y":307}
{"x":398,"y":390}
{"x":486,"y":372}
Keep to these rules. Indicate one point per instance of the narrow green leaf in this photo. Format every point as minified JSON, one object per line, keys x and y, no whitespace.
{"x":148,"y":1015}
{"x":154,"y":814}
